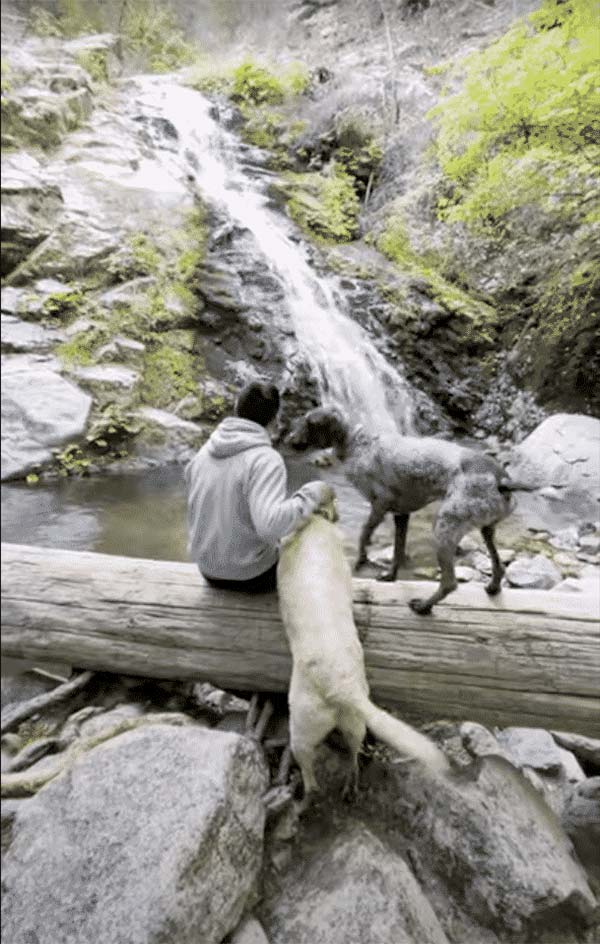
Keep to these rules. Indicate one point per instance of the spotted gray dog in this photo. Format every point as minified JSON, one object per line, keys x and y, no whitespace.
{"x":401,"y":474}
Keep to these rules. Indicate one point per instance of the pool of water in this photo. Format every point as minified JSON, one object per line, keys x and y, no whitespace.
{"x":145,"y":515}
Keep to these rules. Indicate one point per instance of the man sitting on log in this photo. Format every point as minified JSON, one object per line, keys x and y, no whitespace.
{"x":237,"y":506}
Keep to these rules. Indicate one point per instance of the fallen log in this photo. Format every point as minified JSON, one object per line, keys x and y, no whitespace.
{"x":524,"y":657}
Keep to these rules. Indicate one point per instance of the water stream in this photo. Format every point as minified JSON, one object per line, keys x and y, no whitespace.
{"x":349,"y":369}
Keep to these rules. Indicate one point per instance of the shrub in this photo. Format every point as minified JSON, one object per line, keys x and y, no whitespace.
{"x":325,"y":204}
{"x":527,"y":111}
{"x":256,"y":85}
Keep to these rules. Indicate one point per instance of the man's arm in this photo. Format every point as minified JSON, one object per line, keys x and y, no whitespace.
{"x":273,"y":515}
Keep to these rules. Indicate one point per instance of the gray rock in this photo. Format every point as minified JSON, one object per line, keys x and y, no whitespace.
{"x":585,"y":748}
{"x":590,"y":543}
{"x":565,"y":540}
{"x":479,"y":741}
{"x":531,"y":747}
{"x":154,"y":835}
{"x":22,"y":337}
{"x":498,"y":848}
{"x":581,"y":821}
{"x":102,"y":376}
{"x":535,"y":573}
{"x":249,"y":931}
{"x":563,"y":453}
{"x":351,"y":888}
{"x":40,"y":410}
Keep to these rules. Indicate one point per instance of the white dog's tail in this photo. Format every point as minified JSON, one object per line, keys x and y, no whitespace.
{"x":403,"y":738}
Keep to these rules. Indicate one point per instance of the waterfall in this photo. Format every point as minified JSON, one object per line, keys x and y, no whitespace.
{"x":350,"y":371}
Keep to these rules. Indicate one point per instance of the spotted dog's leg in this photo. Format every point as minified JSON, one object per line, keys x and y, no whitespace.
{"x":399,"y":559}
{"x":448,"y":530}
{"x":493,"y":586}
{"x":375,"y":518}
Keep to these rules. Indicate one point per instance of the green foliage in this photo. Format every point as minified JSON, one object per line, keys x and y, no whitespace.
{"x":256,"y":85}
{"x":148,"y":29}
{"x":150,"y":32}
{"x":63,"y":305}
{"x":94,"y":61}
{"x":190,"y":244}
{"x":325,"y":205}
{"x":474,"y":321}
{"x":72,"y":461}
{"x":34,"y":730}
{"x":527,"y":112}
{"x":79,"y":350}
{"x":32,"y":479}
{"x":145,"y":255}
{"x":169,"y":376}
{"x":5,"y":79}
{"x":112,"y":430}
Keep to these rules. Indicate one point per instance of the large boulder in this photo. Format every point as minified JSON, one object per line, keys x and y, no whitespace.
{"x":40,"y":410}
{"x":351,"y":888}
{"x":153,"y":836}
{"x":489,"y":838}
{"x":561,"y":460}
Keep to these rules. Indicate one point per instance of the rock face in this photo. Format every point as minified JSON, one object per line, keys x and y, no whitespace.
{"x":154,"y":836}
{"x":355,"y":889}
{"x":498,"y":849}
{"x":561,"y":457}
{"x":40,"y":409}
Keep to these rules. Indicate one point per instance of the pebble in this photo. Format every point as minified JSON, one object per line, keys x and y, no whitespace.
{"x":536,"y":573}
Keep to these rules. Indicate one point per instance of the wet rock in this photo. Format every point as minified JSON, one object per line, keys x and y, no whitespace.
{"x":30,"y":208}
{"x":179,"y":861}
{"x":40,"y":410}
{"x":533,"y":573}
{"x":565,"y":540}
{"x":350,"y":888}
{"x":122,"y":349}
{"x":110,"y":377}
{"x":22,"y":337}
{"x":590,"y":543}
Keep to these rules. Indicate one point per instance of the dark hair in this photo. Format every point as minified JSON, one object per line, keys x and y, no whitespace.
{"x":258,"y":402}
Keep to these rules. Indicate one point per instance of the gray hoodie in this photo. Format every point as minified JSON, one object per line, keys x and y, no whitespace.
{"x":237,"y":506}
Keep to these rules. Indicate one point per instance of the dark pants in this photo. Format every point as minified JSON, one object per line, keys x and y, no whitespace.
{"x":264,"y":583}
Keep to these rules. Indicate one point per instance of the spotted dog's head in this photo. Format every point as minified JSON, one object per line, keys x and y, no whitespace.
{"x":318,"y":429}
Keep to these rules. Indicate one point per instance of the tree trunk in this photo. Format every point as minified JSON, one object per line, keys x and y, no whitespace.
{"x":524,"y":657}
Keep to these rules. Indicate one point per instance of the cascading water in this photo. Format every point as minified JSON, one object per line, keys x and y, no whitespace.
{"x":349,"y":369}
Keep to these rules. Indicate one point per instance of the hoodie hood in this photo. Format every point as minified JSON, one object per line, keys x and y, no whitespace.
{"x":235,"y":435}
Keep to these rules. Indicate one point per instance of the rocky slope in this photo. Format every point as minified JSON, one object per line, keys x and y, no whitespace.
{"x":144,"y":812}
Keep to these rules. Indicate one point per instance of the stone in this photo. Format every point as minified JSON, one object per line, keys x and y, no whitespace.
{"x":581,"y":821}
{"x":570,"y":585}
{"x":40,"y":410}
{"x":351,"y":887}
{"x":249,"y":931}
{"x":497,"y":847}
{"x":565,"y":540}
{"x":479,"y":741}
{"x":464,"y":574}
{"x":531,"y":747}
{"x":23,"y":337}
{"x":535,"y":573}
{"x":107,"y":375}
{"x":174,"y":852}
{"x":121,"y":349}
{"x":562,"y":453}
{"x":585,"y":748}
{"x":590,"y":543}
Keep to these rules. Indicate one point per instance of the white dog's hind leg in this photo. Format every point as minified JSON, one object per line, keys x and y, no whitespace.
{"x":354,"y":729}
{"x":311,"y":720}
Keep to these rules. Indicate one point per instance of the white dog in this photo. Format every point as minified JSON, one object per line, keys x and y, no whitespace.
{"x":329,"y":688}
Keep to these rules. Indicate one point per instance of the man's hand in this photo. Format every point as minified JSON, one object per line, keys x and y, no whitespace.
{"x":318,"y":494}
